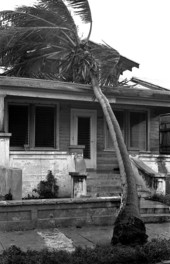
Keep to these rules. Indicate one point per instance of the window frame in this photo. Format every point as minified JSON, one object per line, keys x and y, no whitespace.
{"x":126,"y":129}
{"x":31,"y":123}
{"x":106,"y":132}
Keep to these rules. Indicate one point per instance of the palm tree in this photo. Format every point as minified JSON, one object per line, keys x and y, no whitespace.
{"x":42,"y":41}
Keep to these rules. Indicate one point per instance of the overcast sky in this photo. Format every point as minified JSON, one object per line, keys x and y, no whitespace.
{"x":138,"y":29}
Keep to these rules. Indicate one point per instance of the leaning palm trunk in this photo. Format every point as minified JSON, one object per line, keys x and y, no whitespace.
{"x":129,"y":228}
{"x":47,"y":33}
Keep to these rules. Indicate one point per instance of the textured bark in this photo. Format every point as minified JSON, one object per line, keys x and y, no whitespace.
{"x":128,"y":227}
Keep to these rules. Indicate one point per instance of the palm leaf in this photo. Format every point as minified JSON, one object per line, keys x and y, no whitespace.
{"x":108,"y":59}
{"x":81,"y":8}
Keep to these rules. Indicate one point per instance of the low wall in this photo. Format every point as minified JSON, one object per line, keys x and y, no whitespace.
{"x":35,"y":164}
{"x":30,"y":214}
{"x":160,"y":164}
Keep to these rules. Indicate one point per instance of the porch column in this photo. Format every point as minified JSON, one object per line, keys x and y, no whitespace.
{"x":2,"y":111}
{"x":4,"y":137}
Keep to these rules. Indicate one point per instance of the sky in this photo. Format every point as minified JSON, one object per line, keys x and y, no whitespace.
{"x":137,"y":29}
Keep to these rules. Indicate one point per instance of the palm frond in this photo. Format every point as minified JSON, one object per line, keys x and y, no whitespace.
{"x":81,"y":8}
{"x":108,"y":59}
{"x":42,"y":42}
{"x":58,"y":10}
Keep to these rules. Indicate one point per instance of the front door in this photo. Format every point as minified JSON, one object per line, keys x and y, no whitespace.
{"x":83,"y":132}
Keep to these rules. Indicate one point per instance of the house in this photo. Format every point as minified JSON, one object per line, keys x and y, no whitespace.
{"x":41,"y":119}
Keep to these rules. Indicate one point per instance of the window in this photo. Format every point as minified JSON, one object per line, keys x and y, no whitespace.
{"x":137,"y":127}
{"x":120,"y":118}
{"x":32,"y":125}
{"x":18,"y":124}
{"x":133,"y":125}
{"x":164,"y":134}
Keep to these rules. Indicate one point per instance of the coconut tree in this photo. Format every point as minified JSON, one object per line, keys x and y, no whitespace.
{"x":43,"y":41}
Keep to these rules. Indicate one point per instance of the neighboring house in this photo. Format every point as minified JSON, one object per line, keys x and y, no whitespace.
{"x":45,"y":117}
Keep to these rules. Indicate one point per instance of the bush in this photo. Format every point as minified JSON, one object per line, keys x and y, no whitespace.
{"x":161,"y":198}
{"x":151,"y":252}
{"x":45,"y":189}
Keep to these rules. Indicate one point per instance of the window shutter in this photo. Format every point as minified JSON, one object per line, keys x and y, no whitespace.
{"x":164,"y":134}
{"x":84,"y":135}
{"x":44,"y":126}
{"x":18,"y":125}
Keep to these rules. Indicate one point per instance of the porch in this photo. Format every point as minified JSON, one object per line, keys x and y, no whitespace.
{"x":32,"y":109}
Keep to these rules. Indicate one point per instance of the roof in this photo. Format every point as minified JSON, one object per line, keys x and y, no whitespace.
{"x":38,"y":88}
{"x":147,"y":84}
{"x":127,"y":64}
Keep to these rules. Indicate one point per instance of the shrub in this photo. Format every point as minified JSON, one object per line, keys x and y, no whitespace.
{"x":152,"y":252}
{"x":161,"y":198}
{"x":49,"y":188}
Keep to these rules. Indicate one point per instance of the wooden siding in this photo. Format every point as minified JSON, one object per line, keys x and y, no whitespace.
{"x":154,"y":127}
{"x":106,"y":160}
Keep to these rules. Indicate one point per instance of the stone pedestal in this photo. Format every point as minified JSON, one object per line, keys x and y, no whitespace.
{"x":4,"y":149}
{"x":78,"y":185}
{"x":76,"y":150}
{"x":11,"y":181}
{"x":78,"y":178}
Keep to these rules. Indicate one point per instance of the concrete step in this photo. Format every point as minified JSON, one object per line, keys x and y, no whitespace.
{"x":104,"y":166}
{"x":106,"y":189}
{"x":155,"y":218}
{"x":102,"y":174}
{"x":155,"y":210}
{"x":103,"y":183}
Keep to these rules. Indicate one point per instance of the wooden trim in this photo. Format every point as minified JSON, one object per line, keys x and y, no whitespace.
{"x":73,"y":132}
{"x":126,"y":128}
{"x":34,"y":88}
{"x":31,"y":122}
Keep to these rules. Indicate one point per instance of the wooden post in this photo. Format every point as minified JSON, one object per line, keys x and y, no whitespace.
{"x":2,"y":97}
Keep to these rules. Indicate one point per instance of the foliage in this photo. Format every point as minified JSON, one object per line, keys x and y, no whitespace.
{"x":161,"y":198}
{"x":8,"y":196}
{"x":49,"y":188}
{"x":42,"y":42}
{"x":152,"y":252}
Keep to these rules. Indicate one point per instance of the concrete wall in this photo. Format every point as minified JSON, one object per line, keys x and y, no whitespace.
{"x":30,"y":214}
{"x":35,"y":164}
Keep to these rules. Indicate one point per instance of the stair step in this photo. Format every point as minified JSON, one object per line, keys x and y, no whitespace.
{"x":105,"y":166}
{"x":101,"y":182}
{"x":104,"y":189}
{"x":155,"y":210}
{"x":103,"y":178}
{"x":107,"y":160}
{"x":155,"y":218}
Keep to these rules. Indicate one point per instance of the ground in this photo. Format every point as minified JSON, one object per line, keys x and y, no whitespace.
{"x":69,"y":238}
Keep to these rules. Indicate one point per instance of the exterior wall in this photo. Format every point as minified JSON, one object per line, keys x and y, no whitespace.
{"x":35,"y":164}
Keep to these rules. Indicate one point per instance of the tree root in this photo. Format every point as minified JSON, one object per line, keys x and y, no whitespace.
{"x":131,"y":231}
